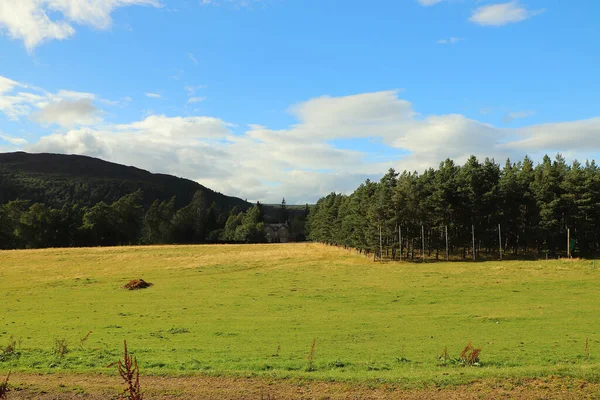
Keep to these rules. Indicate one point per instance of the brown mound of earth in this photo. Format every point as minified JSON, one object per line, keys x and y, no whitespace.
{"x":137,"y":284}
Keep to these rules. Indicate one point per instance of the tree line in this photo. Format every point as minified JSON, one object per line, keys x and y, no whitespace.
{"x":127,"y":222}
{"x":519,"y":209}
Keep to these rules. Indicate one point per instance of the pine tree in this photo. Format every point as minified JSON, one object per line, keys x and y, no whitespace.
{"x":283,"y":212}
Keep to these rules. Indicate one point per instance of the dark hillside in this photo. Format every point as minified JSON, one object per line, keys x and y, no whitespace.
{"x":57,"y":179}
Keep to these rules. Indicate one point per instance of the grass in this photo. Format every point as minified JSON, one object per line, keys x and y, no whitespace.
{"x":225,"y":310}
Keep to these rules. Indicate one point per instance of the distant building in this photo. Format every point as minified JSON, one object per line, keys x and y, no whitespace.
{"x":277,"y":233}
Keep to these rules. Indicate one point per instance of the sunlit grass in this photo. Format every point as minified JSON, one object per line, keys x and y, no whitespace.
{"x":256,"y":309}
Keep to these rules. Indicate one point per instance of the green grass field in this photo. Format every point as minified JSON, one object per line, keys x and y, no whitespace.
{"x":256,"y":309}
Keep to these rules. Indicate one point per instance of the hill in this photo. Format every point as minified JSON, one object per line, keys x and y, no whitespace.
{"x":57,"y":179}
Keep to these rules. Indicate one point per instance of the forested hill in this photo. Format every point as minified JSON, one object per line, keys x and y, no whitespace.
{"x":58,"y":179}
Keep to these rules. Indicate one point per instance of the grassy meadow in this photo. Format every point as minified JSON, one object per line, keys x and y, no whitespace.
{"x":254,"y":310}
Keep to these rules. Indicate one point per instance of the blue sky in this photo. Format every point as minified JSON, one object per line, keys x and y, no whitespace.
{"x":270,"y":98}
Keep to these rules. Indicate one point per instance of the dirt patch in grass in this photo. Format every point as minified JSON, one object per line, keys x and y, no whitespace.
{"x":57,"y":386}
{"x":137,"y":284}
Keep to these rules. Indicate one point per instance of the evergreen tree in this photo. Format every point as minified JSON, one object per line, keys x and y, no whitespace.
{"x":127,"y":214}
{"x":252,"y":228}
{"x":98,"y":226}
{"x":158,"y":222}
{"x":233,"y":222}
{"x":283,"y":212}
{"x":189,"y":223}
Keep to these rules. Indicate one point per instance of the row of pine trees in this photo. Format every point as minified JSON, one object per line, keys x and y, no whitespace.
{"x":533,"y":206}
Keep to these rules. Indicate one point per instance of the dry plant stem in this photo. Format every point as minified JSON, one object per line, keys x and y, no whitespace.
{"x":311,"y":355}
{"x":587,"y":349}
{"x":60,"y":347}
{"x":445,"y":355}
{"x":470,"y":355}
{"x":11,"y":347}
{"x":84,"y":339}
{"x":130,"y":373}
{"x":4,"y":388}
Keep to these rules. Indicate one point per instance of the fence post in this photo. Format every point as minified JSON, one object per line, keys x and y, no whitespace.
{"x":568,"y":243}
{"x":500,"y":240}
{"x":473,"y":234}
{"x":380,"y":245}
{"x":447,"y":253}
{"x":423,"y":241}
{"x":400,"y":240}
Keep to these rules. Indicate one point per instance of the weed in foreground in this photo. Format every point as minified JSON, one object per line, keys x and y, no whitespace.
{"x":130,"y":373}
{"x":276,"y":354}
{"x":10,"y":350}
{"x":470,"y":356}
{"x":60,"y":347}
{"x":4,"y":388}
{"x":311,"y":356}
{"x":11,"y":347}
{"x":444,"y":357}
{"x":587,"y":348}
{"x":84,"y":339}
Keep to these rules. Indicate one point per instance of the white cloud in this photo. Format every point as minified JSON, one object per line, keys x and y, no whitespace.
{"x":153,"y":95}
{"x":69,"y":94}
{"x":68,"y":113}
{"x":80,"y":141}
{"x":32,"y":20}
{"x":13,"y":140}
{"x":65,"y":108}
{"x":428,"y":3}
{"x":452,"y":40}
{"x":6,"y":85}
{"x":575,"y":137}
{"x":511,"y":116}
{"x":192,"y":100}
{"x":502,"y":14}
{"x":160,"y":127}
{"x":350,"y":116}
{"x":18,"y":104}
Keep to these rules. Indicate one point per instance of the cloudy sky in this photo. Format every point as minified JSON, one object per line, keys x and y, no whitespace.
{"x":265,"y":99}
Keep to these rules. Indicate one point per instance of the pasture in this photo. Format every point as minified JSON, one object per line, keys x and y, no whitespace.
{"x":255,"y":310}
